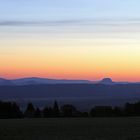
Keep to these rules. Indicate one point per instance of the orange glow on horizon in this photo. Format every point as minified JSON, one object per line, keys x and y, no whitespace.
{"x":71,"y":75}
{"x":70,"y":59}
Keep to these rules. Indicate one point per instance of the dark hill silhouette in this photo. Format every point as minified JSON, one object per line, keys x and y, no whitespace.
{"x":106,"y":81}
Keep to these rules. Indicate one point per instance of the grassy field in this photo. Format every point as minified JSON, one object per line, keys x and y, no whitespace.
{"x":71,"y":129}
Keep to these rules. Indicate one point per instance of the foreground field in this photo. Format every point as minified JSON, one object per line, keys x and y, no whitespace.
{"x":71,"y":129}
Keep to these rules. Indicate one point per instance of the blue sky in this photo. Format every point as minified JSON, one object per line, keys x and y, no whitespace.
{"x":68,"y":9}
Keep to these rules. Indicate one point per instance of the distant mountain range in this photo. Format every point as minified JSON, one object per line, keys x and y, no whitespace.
{"x":83,"y":93}
{"x":38,"y":81}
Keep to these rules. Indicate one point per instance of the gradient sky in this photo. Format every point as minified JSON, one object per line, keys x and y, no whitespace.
{"x":73,"y":39}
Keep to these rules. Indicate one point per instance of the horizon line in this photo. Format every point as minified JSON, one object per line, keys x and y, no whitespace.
{"x":74,"y":79}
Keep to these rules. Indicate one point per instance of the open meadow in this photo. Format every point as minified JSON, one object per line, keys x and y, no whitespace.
{"x":70,"y":129}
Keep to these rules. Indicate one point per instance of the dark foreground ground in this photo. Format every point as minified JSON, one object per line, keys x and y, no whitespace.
{"x":71,"y":129}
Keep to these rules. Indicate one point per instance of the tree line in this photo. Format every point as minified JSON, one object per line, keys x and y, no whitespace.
{"x":12,"y":110}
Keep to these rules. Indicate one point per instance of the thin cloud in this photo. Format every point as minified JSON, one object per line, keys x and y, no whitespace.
{"x":99,"y":22}
{"x":38,"y":23}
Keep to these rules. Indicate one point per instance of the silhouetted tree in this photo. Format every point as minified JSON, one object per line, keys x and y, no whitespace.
{"x":48,"y":112}
{"x":68,"y":111}
{"x":137,"y":108}
{"x":16,"y":112}
{"x":12,"y":110}
{"x":5,"y":110}
{"x":37,"y":113}
{"x":9,"y":110}
{"x":101,"y":111}
{"x":129,"y":110}
{"x":85,"y":114}
{"x":30,"y":111}
{"x":118,"y":112}
{"x":56,"y":111}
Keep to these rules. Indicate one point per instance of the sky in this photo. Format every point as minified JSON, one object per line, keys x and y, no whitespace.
{"x":73,"y":39}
